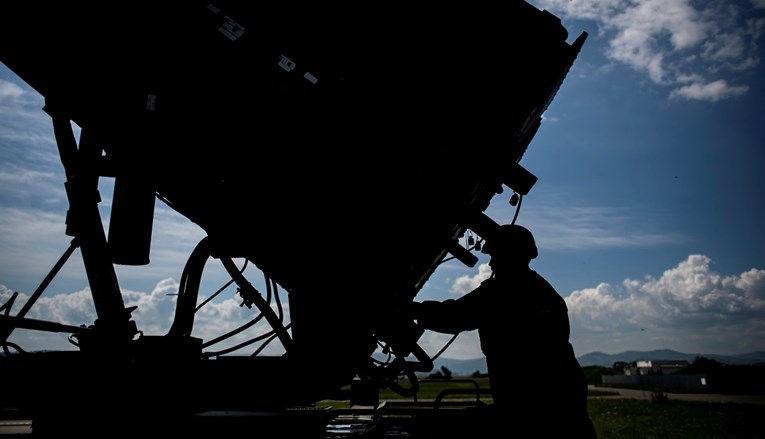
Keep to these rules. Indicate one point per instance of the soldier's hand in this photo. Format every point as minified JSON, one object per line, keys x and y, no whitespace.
{"x":415,"y":310}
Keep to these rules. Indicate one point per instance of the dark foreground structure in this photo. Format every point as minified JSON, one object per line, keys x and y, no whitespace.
{"x":303,"y":140}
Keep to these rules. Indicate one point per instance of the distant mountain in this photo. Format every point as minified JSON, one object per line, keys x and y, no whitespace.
{"x":468,"y":367}
{"x":608,"y":360}
{"x":460,"y":367}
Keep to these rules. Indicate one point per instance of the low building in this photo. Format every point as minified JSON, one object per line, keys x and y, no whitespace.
{"x":656,"y":367}
{"x":658,"y":373}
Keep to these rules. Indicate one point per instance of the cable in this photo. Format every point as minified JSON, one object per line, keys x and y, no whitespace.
{"x":188,"y":290}
{"x":278,"y":300}
{"x":9,"y":303}
{"x":267,"y":342}
{"x":7,"y":352}
{"x":221,"y":289}
{"x":258,"y":300}
{"x":234,"y":331}
{"x":454,"y":337}
{"x":517,"y":208}
{"x":271,"y":335}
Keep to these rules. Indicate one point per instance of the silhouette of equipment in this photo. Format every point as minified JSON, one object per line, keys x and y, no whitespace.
{"x":276,"y":129}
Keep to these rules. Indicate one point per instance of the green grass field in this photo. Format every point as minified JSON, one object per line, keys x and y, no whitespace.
{"x":633,"y":419}
{"x":630,"y":418}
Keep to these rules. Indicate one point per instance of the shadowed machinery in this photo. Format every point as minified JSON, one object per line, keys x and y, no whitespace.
{"x":275,"y":129}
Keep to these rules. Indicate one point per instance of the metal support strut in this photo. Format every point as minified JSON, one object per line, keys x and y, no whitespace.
{"x":113,"y":324}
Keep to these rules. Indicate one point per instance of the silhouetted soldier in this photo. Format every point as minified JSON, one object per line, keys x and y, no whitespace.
{"x":536,"y":380}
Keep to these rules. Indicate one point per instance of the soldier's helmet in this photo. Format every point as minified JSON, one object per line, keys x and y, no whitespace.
{"x":511,"y":238}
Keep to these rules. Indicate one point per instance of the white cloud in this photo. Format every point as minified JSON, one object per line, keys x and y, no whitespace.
{"x":153,"y":316}
{"x":156,"y":309}
{"x":549,"y":119}
{"x":673,"y":39}
{"x":21,"y":111}
{"x":10,"y":90}
{"x":712,"y":91}
{"x":689,"y":308}
{"x":561,"y":225}
{"x":32,"y":241}
{"x":73,"y":309}
{"x":23,"y":227}
{"x":464,"y":284}
{"x":32,"y":186}
{"x":728,"y":45}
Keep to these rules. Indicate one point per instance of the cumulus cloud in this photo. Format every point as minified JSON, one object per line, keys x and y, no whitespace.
{"x":464,"y":284}
{"x":712,"y":91}
{"x":673,"y":40}
{"x":689,"y":308}
{"x":688,"y":305}
{"x":153,"y":316}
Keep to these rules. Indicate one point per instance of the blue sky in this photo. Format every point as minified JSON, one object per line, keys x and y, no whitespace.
{"x":648,"y":211}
